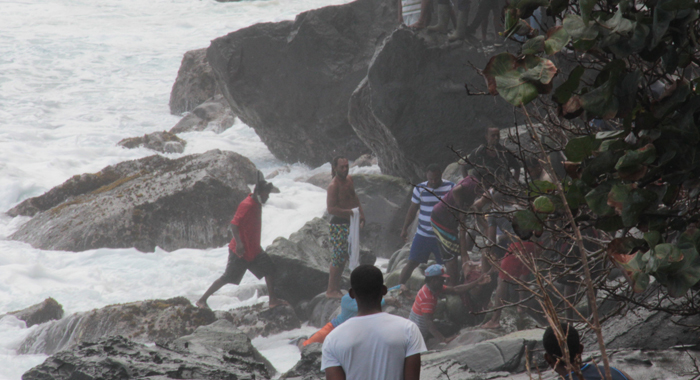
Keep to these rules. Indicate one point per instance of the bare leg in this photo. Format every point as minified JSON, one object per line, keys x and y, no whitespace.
{"x":494,"y":322}
{"x":216,"y":285}
{"x":406,"y":273}
{"x":274,"y":301}
{"x":426,"y":10}
{"x":335,"y":273}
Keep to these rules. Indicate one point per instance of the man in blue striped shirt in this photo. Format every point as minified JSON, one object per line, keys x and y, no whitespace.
{"x":425,"y":197}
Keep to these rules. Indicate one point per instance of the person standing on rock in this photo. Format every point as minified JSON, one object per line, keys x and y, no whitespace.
{"x":425,"y":196}
{"x":244,"y":250}
{"x":555,"y":357}
{"x":493,"y":161}
{"x":341,"y":200}
{"x":372,"y":345}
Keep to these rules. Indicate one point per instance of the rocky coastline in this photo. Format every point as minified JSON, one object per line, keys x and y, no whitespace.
{"x":341,"y":79}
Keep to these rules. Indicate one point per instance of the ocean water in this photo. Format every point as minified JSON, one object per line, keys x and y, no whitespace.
{"x":77,"y":76}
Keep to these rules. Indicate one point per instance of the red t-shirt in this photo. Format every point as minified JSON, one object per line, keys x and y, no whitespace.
{"x":248,"y":218}
{"x":425,"y":301}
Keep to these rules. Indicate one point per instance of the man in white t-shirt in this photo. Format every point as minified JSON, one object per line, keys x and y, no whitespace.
{"x":372,"y":345}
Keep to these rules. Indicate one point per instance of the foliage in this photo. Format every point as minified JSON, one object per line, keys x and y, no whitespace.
{"x":633,"y":65}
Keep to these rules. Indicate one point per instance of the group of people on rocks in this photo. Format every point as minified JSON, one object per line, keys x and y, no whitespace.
{"x":418,"y":14}
{"x":362,"y":342}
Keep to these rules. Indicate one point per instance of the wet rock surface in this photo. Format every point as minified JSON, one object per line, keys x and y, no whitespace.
{"x":118,"y":358}
{"x":322,"y":310}
{"x":291,"y":80}
{"x":302,"y":262}
{"x":413,"y":105}
{"x":195,"y":83}
{"x":309,"y":366}
{"x":157,"y":321}
{"x":164,"y":142}
{"x":214,"y":114}
{"x":259,"y":320}
{"x":49,"y":310}
{"x":153,"y":201}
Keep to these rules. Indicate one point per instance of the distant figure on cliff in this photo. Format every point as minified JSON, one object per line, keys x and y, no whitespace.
{"x":425,"y":196}
{"x":244,"y":251}
{"x":427,"y":298}
{"x":493,"y":161}
{"x":554,"y":356}
{"x":345,"y":208}
{"x":372,"y":345}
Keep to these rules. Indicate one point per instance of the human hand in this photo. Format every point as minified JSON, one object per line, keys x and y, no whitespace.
{"x":362,"y":223}
{"x":240,"y":250}
{"x":484,"y":279}
{"x":404,"y":235}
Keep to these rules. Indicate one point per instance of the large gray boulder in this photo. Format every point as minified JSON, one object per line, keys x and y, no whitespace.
{"x":49,"y":310}
{"x":302,"y":262}
{"x":165,"y":142}
{"x":157,"y":321}
{"x":214,"y":114}
{"x":153,"y":201}
{"x":291,"y":80}
{"x":413,"y":105}
{"x":118,"y":358}
{"x":260,"y":320}
{"x":195,"y":83}
{"x":309,"y":366}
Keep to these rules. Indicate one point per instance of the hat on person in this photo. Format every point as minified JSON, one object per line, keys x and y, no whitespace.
{"x":436,"y":270}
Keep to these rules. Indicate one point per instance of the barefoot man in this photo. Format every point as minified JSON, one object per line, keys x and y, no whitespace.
{"x":340,"y":200}
{"x":244,"y":251}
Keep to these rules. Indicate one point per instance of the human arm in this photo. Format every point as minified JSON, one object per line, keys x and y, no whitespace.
{"x":362,"y":215}
{"x":433,"y":328}
{"x":335,"y":373}
{"x":411,"y":367}
{"x":240,"y":247}
{"x":400,"y":8}
{"x":410,"y":217}
{"x":460,"y":289}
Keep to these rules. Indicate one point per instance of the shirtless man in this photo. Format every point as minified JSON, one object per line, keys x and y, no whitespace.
{"x":340,"y":200}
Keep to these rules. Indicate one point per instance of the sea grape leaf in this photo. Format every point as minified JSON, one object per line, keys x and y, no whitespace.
{"x":597,"y":200}
{"x":579,"y":29}
{"x":544,"y":205}
{"x":566,"y":89}
{"x":578,"y":149}
{"x":527,"y":7}
{"x":519,"y":80}
{"x":557,"y":38}
{"x":534,"y":45}
{"x":586,"y":9}
{"x":652,"y":238}
{"x":527,"y":220}
{"x":637,"y":202}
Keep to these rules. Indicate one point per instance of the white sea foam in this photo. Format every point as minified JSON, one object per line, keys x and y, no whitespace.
{"x":77,"y":76}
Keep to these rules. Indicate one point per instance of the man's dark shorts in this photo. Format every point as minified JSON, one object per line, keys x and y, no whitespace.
{"x":261,"y":266}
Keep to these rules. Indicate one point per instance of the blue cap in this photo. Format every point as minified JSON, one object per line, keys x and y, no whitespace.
{"x":435,"y":270}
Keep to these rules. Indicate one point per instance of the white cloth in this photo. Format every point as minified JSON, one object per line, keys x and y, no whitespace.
{"x":372,"y":346}
{"x":354,"y":238}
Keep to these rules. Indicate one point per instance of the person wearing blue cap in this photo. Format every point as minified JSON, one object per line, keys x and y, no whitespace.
{"x":427,"y":298}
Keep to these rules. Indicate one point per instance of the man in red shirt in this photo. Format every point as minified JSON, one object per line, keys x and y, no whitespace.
{"x":244,"y":251}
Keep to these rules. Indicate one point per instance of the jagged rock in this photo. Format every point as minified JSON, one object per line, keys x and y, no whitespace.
{"x":118,"y":358}
{"x":413,"y":105}
{"x":322,"y":310}
{"x":303,"y":261}
{"x":414,"y":283}
{"x":648,"y":330}
{"x":469,"y":336}
{"x":398,"y":258}
{"x":220,"y":339}
{"x":195,"y":83}
{"x":291,"y":80}
{"x":214,"y":114}
{"x":165,"y":142}
{"x":364,"y":160}
{"x":153,"y":201}
{"x":453,"y":172}
{"x":276,"y":172}
{"x":309,"y":366}
{"x":246,"y":291}
{"x":385,"y":201}
{"x":322,"y":180}
{"x":489,"y":356}
{"x":144,"y":321}
{"x":48,"y":310}
{"x":259,"y":320}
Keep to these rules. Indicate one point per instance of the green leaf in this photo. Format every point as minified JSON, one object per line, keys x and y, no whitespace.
{"x":597,"y":200}
{"x":676,"y":96}
{"x":527,"y":7}
{"x":580,"y":148}
{"x":618,"y":23}
{"x":558,"y":6}
{"x":557,"y":38}
{"x":575,"y":195}
{"x":527,"y":220}
{"x":601,"y":101}
{"x":534,"y":45}
{"x":610,"y":134}
{"x":609,"y":223}
{"x":586,"y":9}
{"x":519,"y":80}
{"x":652,"y":238}
{"x":566,"y":89}
{"x":632,"y":159}
{"x":544,"y":205}
{"x":637,"y":202}
{"x":579,"y":29}
{"x":626,"y":92}
{"x":538,"y":187}
{"x":662,"y":19}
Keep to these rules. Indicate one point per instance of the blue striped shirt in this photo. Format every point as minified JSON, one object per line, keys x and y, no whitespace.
{"x":427,"y":201}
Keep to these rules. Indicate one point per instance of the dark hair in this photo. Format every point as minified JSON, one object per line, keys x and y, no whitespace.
{"x":334,"y":163}
{"x":551,"y":344}
{"x":263,"y":187}
{"x":367,"y":281}
{"x":434,"y":168}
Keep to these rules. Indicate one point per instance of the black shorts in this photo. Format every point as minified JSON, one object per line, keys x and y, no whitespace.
{"x":261,"y":266}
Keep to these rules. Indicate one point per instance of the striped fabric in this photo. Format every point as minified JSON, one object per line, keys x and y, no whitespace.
{"x":448,"y":240}
{"x":410,"y":10}
{"x":426,"y":200}
{"x":425,"y":301}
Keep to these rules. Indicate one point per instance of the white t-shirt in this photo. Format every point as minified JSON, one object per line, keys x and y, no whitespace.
{"x":372,"y":346}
